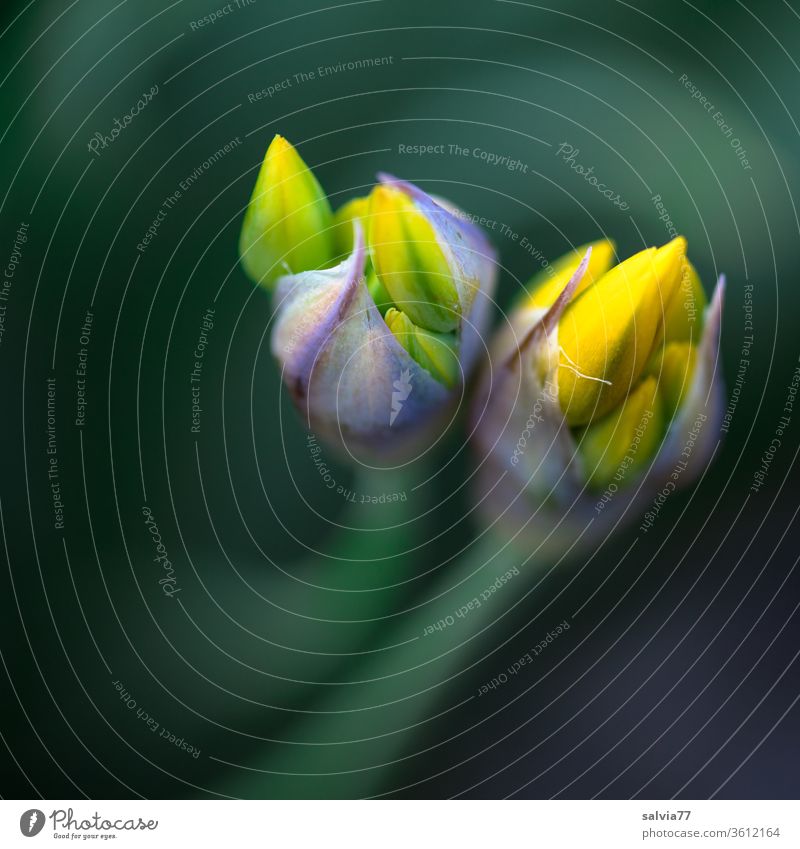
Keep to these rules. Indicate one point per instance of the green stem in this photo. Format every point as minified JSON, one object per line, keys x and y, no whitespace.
{"x":370,"y":722}
{"x":315,"y":615}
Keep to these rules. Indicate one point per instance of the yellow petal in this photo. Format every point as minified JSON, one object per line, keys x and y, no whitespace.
{"x":287,"y":226}
{"x":616,"y":446}
{"x":547,"y":285}
{"x":672,"y":365}
{"x":684,"y":318}
{"x":409,"y":261}
{"x":607,"y":334}
{"x":435,"y":352}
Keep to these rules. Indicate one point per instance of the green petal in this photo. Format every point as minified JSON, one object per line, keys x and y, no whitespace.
{"x":411,"y":264}
{"x":383,"y":300}
{"x":673,"y":365}
{"x":437,"y":353}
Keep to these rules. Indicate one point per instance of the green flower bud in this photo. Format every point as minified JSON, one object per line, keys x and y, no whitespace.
{"x":288,"y":224}
{"x":411,"y":262}
{"x":365,"y":376}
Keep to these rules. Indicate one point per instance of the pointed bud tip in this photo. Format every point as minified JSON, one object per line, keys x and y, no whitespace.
{"x":676,"y":247}
{"x":389,"y":197}
{"x":279,"y":143}
{"x":282,"y":154}
{"x":669,"y":260}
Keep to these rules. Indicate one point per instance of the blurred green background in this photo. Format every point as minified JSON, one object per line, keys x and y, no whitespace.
{"x":293,"y":656}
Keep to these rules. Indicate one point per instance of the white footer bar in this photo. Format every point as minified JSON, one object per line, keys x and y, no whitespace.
{"x":402,"y":824}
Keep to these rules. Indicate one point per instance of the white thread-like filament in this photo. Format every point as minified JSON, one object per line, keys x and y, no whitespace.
{"x":574,"y":368}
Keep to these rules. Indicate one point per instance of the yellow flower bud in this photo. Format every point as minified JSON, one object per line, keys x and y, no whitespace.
{"x":288,"y":224}
{"x":583,"y":416}
{"x":606,"y":335}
